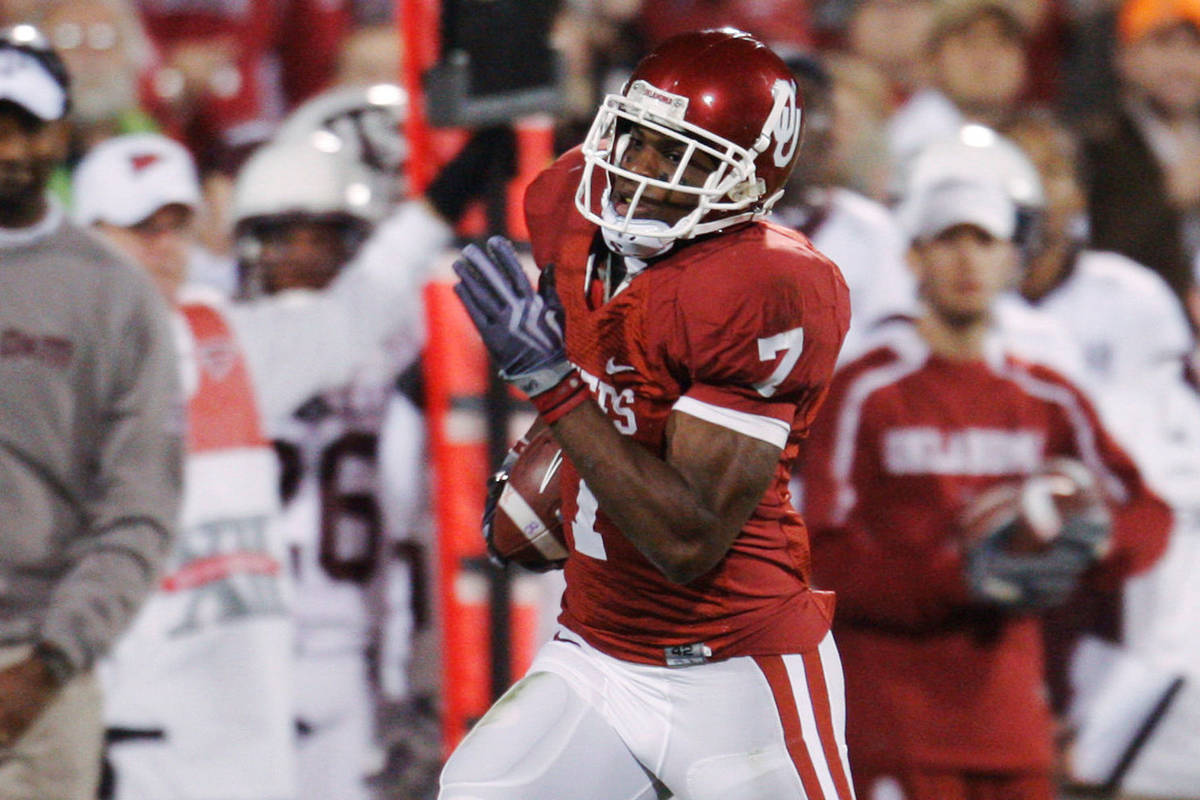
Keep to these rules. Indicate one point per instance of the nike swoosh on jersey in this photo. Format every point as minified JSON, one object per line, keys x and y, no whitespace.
{"x":612,"y":367}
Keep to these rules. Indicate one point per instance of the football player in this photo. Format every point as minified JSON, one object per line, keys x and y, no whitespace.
{"x":938,"y":621}
{"x":1125,"y":317}
{"x":678,"y":348}
{"x":1136,"y":707}
{"x":296,"y":233}
{"x":303,"y":215}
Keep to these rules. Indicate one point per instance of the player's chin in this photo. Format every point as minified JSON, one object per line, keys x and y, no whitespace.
{"x":660,"y":211}
{"x":17,"y":184}
{"x":621,"y":196}
{"x":958,"y":309}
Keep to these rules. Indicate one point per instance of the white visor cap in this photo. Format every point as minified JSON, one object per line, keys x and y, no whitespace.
{"x":127,"y":179}
{"x":25,"y":81}
{"x":937,"y":208}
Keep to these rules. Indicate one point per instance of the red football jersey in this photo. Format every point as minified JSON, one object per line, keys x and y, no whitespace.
{"x":906,"y":440}
{"x":741,"y":329}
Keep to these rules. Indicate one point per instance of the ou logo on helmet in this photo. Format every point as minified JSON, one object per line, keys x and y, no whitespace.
{"x":785,"y":125}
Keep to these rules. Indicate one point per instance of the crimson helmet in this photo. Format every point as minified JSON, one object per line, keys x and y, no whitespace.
{"x":722,"y":93}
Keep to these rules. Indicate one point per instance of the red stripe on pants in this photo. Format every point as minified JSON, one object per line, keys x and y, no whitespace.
{"x":785,"y":702}
{"x":818,"y":692}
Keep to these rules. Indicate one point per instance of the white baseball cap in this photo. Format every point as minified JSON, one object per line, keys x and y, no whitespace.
{"x":127,"y":179}
{"x":946,"y":204}
{"x":25,"y":79}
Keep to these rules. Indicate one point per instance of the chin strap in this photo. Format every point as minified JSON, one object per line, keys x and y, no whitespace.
{"x":642,"y":238}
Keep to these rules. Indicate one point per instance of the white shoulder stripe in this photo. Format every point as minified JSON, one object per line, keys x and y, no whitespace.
{"x":1085,"y":431}
{"x":767,"y":429}
{"x":849,"y":418}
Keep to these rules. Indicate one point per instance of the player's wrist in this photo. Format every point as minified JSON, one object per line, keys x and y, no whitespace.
{"x":558,"y":401}
{"x":59,"y":669}
{"x":536,"y":382}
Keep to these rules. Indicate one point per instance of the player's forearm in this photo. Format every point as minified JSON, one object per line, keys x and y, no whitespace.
{"x":1141,"y":529}
{"x":648,"y":499}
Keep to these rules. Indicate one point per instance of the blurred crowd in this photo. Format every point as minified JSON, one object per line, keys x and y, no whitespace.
{"x":250,"y":155}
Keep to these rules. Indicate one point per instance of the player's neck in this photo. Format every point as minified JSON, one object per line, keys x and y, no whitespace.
{"x":1050,"y":268}
{"x":951,"y":338}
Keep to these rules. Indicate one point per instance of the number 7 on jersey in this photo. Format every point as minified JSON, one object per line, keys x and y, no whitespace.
{"x":791,"y":343}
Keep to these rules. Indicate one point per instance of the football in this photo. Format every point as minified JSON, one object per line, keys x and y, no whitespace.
{"x":527,"y":527}
{"x":1037,"y":504}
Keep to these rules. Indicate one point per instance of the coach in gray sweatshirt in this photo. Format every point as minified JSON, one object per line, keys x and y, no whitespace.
{"x":90,"y":444}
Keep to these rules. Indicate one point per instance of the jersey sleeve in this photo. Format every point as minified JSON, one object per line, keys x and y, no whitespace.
{"x":1162,"y":333}
{"x":549,"y":196}
{"x":1141,"y":519}
{"x":759,"y":350}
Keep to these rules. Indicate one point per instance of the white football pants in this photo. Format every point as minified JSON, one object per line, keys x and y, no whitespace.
{"x":582,"y":725}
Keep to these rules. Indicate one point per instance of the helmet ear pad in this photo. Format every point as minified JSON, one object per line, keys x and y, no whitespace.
{"x":721,"y":93}
{"x":1030,"y":236}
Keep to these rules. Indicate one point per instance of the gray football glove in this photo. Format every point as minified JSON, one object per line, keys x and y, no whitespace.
{"x":521,"y":329}
{"x":1041,"y":580}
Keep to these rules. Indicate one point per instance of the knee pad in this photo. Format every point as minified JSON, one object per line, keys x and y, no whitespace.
{"x":767,"y":774}
{"x":541,"y":739}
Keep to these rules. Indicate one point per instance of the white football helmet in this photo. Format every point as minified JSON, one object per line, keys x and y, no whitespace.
{"x":295,"y":181}
{"x":367,"y":119}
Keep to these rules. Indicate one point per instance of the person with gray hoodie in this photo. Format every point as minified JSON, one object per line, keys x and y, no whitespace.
{"x":91,"y":433}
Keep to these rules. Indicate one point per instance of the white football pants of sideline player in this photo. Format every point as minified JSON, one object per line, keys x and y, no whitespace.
{"x":336,"y":749}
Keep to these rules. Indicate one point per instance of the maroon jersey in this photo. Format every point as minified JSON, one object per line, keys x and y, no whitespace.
{"x":741,"y":329}
{"x":905,"y":441}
